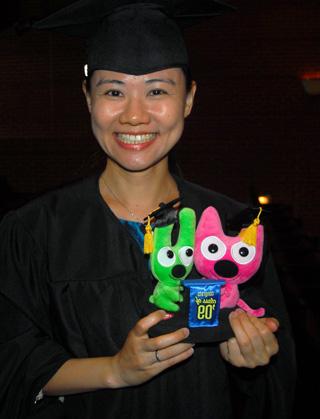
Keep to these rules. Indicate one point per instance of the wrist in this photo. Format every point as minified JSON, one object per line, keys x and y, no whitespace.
{"x":112,"y":373}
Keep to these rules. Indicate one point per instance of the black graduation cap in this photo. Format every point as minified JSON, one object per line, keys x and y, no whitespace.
{"x":133,"y":37}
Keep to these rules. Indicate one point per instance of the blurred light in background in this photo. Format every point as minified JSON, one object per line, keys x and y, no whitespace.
{"x":264,"y":199}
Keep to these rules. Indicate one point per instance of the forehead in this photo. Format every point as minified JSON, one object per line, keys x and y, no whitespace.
{"x":169,"y":74}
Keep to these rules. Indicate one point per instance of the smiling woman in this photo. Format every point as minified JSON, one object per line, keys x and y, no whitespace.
{"x":137,"y":120}
{"x":74,"y":279}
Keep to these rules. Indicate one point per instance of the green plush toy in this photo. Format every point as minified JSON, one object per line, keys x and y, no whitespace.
{"x":170,"y":264}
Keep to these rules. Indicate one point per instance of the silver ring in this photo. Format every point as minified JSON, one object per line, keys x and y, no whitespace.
{"x":157,"y":356}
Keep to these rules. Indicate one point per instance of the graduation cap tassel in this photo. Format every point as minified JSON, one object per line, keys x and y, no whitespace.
{"x":148,"y":238}
{"x":249,"y":234}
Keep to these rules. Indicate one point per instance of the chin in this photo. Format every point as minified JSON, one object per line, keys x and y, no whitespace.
{"x":139,"y":166}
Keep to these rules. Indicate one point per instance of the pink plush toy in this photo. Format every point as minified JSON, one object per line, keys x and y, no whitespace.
{"x":233,"y":259}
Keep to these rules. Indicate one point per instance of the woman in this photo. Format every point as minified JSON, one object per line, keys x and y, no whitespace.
{"x":73,"y":279}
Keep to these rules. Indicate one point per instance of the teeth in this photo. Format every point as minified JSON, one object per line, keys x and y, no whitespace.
{"x":136,"y":139}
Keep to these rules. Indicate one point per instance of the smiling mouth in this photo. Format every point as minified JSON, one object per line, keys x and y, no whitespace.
{"x":136,"y":139}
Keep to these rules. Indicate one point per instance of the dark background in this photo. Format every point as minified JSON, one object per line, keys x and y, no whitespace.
{"x":253,"y":130}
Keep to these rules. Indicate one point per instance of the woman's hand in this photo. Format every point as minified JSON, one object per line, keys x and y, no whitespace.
{"x":254,"y":342}
{"x":142,"y":357}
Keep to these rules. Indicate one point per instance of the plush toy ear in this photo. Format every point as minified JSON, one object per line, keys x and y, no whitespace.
{"x":260,"y":238}
{"x":187,"y":222}
{"x":209,"y":224}
{"x":162,"y":237}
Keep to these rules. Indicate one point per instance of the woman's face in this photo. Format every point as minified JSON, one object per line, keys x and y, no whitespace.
{"x":138,"y":119}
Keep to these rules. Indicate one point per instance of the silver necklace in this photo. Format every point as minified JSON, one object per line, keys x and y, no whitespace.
{"x":132,"y":214}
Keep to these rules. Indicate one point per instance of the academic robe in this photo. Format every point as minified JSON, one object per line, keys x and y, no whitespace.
{"x":73,"y":282}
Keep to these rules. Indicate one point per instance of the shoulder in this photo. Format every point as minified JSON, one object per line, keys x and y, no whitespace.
{"x":64,"y":199}
{"x":63,"y":205}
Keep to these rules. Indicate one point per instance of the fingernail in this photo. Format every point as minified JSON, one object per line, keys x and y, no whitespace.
{"x":239,"y":310}
{"x":186,"y":332}
{"x":233,"y":314}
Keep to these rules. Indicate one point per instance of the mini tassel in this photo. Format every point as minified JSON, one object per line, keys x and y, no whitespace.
{"x":249,"y":234}
{"x":148,"y":238}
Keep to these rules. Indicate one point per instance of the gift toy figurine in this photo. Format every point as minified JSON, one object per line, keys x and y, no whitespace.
{"x":172,"y":262}
{"x":232,"y":259}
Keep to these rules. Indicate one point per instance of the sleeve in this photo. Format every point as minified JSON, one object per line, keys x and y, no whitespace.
{"x":268,"y":392}
{"x":29,"y":356}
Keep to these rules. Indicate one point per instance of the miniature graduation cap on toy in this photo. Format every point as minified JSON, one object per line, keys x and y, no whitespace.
{"x":133,"y":37}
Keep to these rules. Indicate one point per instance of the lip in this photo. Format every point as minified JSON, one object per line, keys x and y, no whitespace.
{"x":135,"y":141}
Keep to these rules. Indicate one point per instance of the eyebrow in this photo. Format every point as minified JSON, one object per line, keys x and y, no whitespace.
{"x":109,"y":81}
{"x":169,"y":81}
{"x":119,"y":82}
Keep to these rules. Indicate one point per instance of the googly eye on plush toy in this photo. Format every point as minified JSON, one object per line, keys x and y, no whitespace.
{"x":171,"y":263}
{"x":232,"y":259}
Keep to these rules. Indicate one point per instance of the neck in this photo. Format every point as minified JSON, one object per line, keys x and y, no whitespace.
{"x":137,"y":193}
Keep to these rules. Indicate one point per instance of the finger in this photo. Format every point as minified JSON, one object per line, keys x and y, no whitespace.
{"x":231,"y":353}
{"x":167,"y":340}
{"x":234,"y":354}
{"x":143,"y":325}
{"x":240,"y":332}
{"x":253,"y":328}
{"x":263,"y":341}
{"x":272,"y":323}
{"x":167,"y":363}
{"x":267,"y":336}
{"x":249,"y":339}
{"x":172,"y":351}
{"x":224,"y":350}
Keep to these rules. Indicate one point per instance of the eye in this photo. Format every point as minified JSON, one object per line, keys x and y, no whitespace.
{"x":243,"y":253}
{"x":157,"y":92}
{"x":113,"y":93}
{"x":213,"y":248}
{"x":186,"y":255}
{"x":166,"y":257}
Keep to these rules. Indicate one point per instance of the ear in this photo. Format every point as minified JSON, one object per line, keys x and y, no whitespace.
{"x":260,"y":237}
{"x":209,"y":224}
{"x":162,"y":237}
{"x":190,"y":99}
{"x":187,"y":221}
{"x":86,"y":94}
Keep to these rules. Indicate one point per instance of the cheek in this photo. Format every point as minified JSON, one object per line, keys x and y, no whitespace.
{"x":102,"y":115}
{"x":101,"y":124}
{"x":170,"y":116}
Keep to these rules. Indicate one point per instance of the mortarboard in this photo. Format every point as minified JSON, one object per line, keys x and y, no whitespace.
{"x":133,"y":37}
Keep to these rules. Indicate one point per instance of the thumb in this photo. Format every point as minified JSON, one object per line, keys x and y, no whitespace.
{"x":144,"y":324}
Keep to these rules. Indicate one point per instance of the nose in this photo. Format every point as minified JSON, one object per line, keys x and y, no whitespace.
{"x":178,"y":271}
{"x":135,"y":112}
{"x":226,"y":268}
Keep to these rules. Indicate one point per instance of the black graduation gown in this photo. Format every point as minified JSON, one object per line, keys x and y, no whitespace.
{"x":72,"y":283}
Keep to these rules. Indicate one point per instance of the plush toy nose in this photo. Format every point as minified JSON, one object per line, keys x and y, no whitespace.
{"x":178,"y":271}
{"x":226,"y":268}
